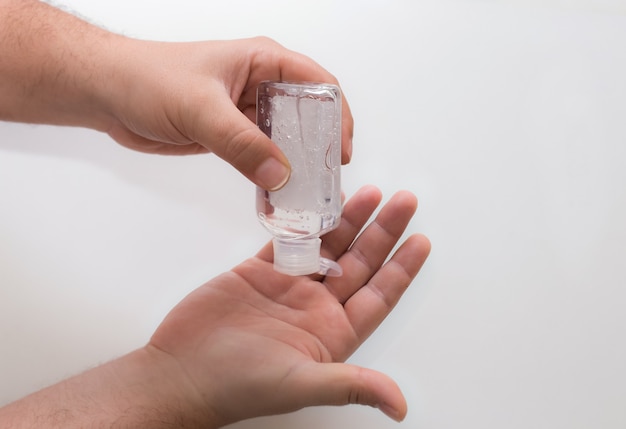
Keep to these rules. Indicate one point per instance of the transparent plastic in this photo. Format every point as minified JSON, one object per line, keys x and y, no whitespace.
{"x":304,"y":120}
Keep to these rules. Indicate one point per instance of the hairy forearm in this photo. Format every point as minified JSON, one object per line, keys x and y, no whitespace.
{"x":142,"y":390}
{"x":54,"y":67}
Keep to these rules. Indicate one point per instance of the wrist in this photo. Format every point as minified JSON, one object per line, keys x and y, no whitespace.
{"x":155,"y":392}
{"x":143,"y":390}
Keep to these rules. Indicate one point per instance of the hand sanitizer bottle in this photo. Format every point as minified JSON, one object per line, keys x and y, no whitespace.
{"x":304,"y":120}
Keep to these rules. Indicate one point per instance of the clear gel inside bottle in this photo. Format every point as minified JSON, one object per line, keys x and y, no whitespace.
{"x":304,"y":120}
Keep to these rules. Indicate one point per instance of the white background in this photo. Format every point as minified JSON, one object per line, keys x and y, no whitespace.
{"x":507,"y":119}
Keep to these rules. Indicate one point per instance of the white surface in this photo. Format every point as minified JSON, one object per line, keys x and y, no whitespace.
{"x":507,"y":122}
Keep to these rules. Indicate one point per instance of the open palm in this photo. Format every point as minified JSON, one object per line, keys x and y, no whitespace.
{"x":256,"y":342}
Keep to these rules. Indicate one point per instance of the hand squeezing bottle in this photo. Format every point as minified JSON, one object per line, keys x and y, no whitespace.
{"x":304,"y":120}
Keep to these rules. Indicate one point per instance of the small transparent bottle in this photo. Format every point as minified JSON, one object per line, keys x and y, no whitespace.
{"x":304,"y":121}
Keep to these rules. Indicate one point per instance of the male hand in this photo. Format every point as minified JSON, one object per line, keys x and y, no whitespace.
{"x":169,"y":98}
{"x":181,"y":98}
{"x":255,"y":342}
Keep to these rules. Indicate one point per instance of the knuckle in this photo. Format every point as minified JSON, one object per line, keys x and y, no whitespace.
{"x":266,"y":41}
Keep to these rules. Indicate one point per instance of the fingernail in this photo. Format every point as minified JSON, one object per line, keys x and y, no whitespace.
{"x":272,"y":174}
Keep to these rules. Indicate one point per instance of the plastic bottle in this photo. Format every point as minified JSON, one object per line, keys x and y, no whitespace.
{"x":304,"y":120}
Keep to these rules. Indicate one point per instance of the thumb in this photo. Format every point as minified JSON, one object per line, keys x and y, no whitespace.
{"x":342,"y":384}
{"x":238,"y":141}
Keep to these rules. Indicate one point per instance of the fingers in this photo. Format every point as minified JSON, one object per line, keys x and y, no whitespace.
{"x":356,"y":211}
{"x":238,"y":141}
{"x":222,"y":116}
{"x":272,"y":61}
{"x":371,"y":248}
{"x":298,"y":67}
{"x":347,"y":131}
{"x":342,"y":384}
{"x":369,"y":306}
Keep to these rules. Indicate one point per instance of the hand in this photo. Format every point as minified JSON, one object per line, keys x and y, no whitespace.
{"x":169,"y":98}
{"x":181,"y":98}
{"x":255,"y":342}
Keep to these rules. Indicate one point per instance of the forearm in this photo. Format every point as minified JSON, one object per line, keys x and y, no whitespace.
{"x":142,"y":390}
{"x":54,"y":67}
